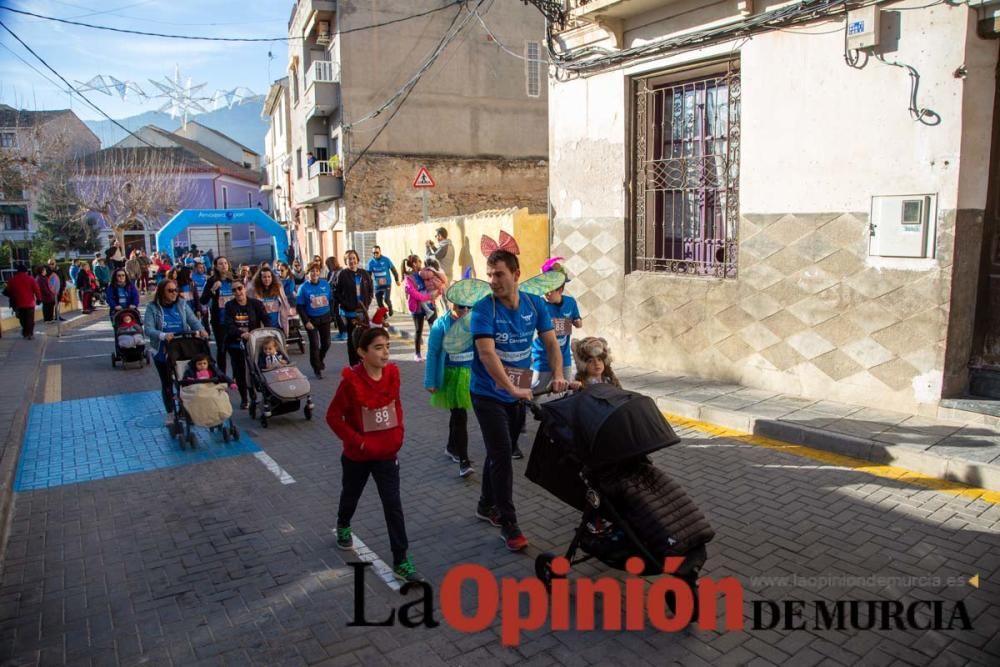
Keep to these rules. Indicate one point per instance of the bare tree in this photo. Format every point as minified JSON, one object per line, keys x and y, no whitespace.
{"x":130,"y":185}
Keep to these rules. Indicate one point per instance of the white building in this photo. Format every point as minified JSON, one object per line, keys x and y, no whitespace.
{"x":743,"y":197}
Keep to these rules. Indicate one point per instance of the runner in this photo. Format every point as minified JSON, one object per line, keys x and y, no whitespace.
{"x":242,"y":315}
{"x":353,"y":292}
{"x":447,"y":377}
{"x":220,"y":291}
{"x":503,"y":327}
{"x":380,"y":267}
{"x":418,"y":301}
{"x":367,"y":415}
{"x":565,"y":315}
{"x":165,"y":316}
{"x":188,"y":290}
{"x":314,"y":307}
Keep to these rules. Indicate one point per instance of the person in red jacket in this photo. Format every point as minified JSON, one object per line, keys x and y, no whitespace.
{"x":24,"y":295}
{"x":367,"y":415}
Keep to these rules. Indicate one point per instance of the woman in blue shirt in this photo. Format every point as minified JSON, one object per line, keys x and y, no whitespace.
{"x":314,"y":303}
{"x":269,"y":291}
{"x":121,"y":293}
{"x":167,"y":315}
{"x":219,"y":291}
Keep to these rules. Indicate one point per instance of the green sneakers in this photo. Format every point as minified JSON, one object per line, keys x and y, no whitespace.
{"x":405,"y":571}
{"x":344,"y":538}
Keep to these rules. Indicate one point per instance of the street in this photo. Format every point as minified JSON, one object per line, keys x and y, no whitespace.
{"x":227,"y":555}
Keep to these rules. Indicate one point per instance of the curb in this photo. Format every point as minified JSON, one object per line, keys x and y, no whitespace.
{"x":951,"y":469}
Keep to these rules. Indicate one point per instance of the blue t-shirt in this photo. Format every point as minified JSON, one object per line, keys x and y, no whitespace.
{"x":357,"y":290}
{"x":567,"y":311}
{"x":224,"y":296}
{"x":122,"y":296}
{"x":316,"y":298}
{"x":173,"y":323}
{"x":289,"y":286}
{"x":187,"y":293}
{"x":381,"y":270}
{"x":272,"y":305}
{"x":512,"y":332}
{"x":199,"y":280}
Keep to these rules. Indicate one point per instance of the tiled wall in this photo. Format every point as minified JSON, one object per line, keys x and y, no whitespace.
{"x":809,"y":314}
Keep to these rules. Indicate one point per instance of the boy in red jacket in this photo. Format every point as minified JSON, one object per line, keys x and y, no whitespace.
{"x":367,"y":415}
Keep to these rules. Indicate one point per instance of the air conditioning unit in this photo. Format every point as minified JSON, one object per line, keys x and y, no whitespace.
{"x":323,"y":33}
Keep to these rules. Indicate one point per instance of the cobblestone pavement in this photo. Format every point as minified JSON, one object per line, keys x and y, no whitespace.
{"x":218,"y":562}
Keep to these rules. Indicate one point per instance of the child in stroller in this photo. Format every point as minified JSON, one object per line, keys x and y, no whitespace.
{"x":270,"y":356}
{"x":129,"y":331}
{"x":202,"y":368}
{"x":130,"y":343}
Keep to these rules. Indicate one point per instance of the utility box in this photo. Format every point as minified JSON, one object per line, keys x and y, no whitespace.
{"x":903,"y":226}
{"x":863,"y":27}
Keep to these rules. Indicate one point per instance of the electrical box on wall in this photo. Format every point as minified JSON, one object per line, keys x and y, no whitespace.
{"x":903,"y":226}
{"x":863,"y":27}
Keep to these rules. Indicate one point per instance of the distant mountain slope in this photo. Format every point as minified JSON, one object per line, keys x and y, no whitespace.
{"x":243,"y":123}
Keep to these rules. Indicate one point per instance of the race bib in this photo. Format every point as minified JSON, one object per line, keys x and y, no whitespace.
{"x":379,"y":419}
{"x":272,"y":305}
{"x":187,"y":296}
{"x":520,"y":377}
{"x":382,"y":282}
{"x":318,"y":301}
{"x":562,"y":326}
{"x":224,"y":299}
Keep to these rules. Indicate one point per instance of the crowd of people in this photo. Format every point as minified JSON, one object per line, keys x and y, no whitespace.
{"x":519,"y":343}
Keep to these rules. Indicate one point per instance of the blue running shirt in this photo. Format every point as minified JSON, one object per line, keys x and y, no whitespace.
{"x":512,"y":332}
{"x":562,"y":317}
{"x":381,"y":270}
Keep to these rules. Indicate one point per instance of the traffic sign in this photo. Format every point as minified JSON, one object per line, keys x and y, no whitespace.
{"x":423,"y":179}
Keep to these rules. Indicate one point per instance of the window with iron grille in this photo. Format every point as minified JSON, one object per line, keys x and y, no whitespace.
{"x":533,"y":68}
{"x":686,"y":174}
{"x":8,"y":140}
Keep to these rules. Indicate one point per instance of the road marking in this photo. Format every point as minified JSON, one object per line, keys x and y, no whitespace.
{"x":273,"y":466}
{"x":876,"y":469}
{"x":82,"y":356}
{"x":383,"y":571}
{"x":53,"y":384}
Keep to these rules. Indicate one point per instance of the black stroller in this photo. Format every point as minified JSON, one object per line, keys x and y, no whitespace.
{"x":591,"y":452}
{"x":279,"y":391}
{"x":130,"y":343}
{"x":205,"y":405}
{"x":295,"y":334}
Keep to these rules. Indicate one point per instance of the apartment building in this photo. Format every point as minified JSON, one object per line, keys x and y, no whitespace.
{"x":30,"y":142}
{"x":356,"y":133}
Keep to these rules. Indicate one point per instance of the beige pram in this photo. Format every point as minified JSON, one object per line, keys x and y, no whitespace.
{"x":278,"y":391}
{"x":203,"y":404}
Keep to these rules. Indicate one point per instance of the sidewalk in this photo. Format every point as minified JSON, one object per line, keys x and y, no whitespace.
{"x":953,"y":450}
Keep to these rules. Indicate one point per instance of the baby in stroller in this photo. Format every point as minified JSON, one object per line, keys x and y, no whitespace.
{"x":201,"y":369}
{"x":129,"y":332}
{"x":271,"y":356}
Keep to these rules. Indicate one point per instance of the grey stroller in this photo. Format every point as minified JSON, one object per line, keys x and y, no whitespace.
{"x":277,"y":391}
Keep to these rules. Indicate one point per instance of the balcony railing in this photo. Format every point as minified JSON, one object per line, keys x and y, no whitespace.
{"x":322,"y":71}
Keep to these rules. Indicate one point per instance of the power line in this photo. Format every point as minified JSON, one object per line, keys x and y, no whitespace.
{"x":223,"y":39}
{"x":70,"y":86}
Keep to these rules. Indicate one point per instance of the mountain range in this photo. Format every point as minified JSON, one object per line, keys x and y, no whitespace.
{"x":242,"y":122}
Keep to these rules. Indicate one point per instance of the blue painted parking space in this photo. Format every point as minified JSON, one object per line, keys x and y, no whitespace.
{"x":97,"y":438}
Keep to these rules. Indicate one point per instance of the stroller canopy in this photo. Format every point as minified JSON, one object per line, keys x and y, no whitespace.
{"x":604,"y":425}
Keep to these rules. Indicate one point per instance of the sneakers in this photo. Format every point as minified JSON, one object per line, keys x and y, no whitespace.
{"x":405,"y":571}
{"x":417,"y":358}
{"x":517,"y":454}
{"x":452,"y":455}
{"x":345,"y":540}
{"x":489,"y":514}
{"x":513,"y":538}
{"x":465,"y":468}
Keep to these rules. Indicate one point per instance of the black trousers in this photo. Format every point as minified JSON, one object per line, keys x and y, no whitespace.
{"x":386,"y":475}
{"x":239,"y":370}
{"x":352,"y":351}
{"x":48,"y":311}
{"x":458,"y":433}
{"x":500,"y":423}
{"x":166,"y":384}
{"x":383,"y":297}
{"x":26,"y":316}
{"x":219,"y":331}
{"x":319,"y":342}
{"x":418,"y":323}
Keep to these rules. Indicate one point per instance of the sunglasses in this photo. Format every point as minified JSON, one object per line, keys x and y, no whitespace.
{"x":171,"y":290}
{"x":238,"y":289}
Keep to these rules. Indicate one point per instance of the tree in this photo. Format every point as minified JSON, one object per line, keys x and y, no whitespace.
{"x":62,"y":219}
{"x":130,"y":185}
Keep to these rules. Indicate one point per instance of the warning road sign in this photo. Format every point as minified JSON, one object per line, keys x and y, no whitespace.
{"x":423,"y":179}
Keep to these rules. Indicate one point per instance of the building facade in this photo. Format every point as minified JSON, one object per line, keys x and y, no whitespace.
{"x":31,"y":142}
{"x":775,"y":208}
{"x":359,"y":132}
{"x":190,"y":175}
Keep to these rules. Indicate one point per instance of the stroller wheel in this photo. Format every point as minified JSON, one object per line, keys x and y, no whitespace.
{"x":263,"y":421}
{"x":302,"y":347}
{"x":253,"y":409}
{"x":308,"y":412}
{"x":234,"y":432}
{"x":112,"y":360}
{"x":225,"y":435}
{"x":543,"y":569}
{"x":192,"y":441}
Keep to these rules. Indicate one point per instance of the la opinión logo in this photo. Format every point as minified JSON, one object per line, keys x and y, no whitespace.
{"x":642,"y":602}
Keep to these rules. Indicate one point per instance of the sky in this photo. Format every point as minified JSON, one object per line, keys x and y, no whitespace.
{"x":79,"y":54}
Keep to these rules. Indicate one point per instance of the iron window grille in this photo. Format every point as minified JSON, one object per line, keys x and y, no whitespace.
{"x":533,"y":68}
{"x":686,"y":175}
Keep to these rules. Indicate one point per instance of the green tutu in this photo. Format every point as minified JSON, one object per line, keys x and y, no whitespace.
{"x":455,"y":392}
